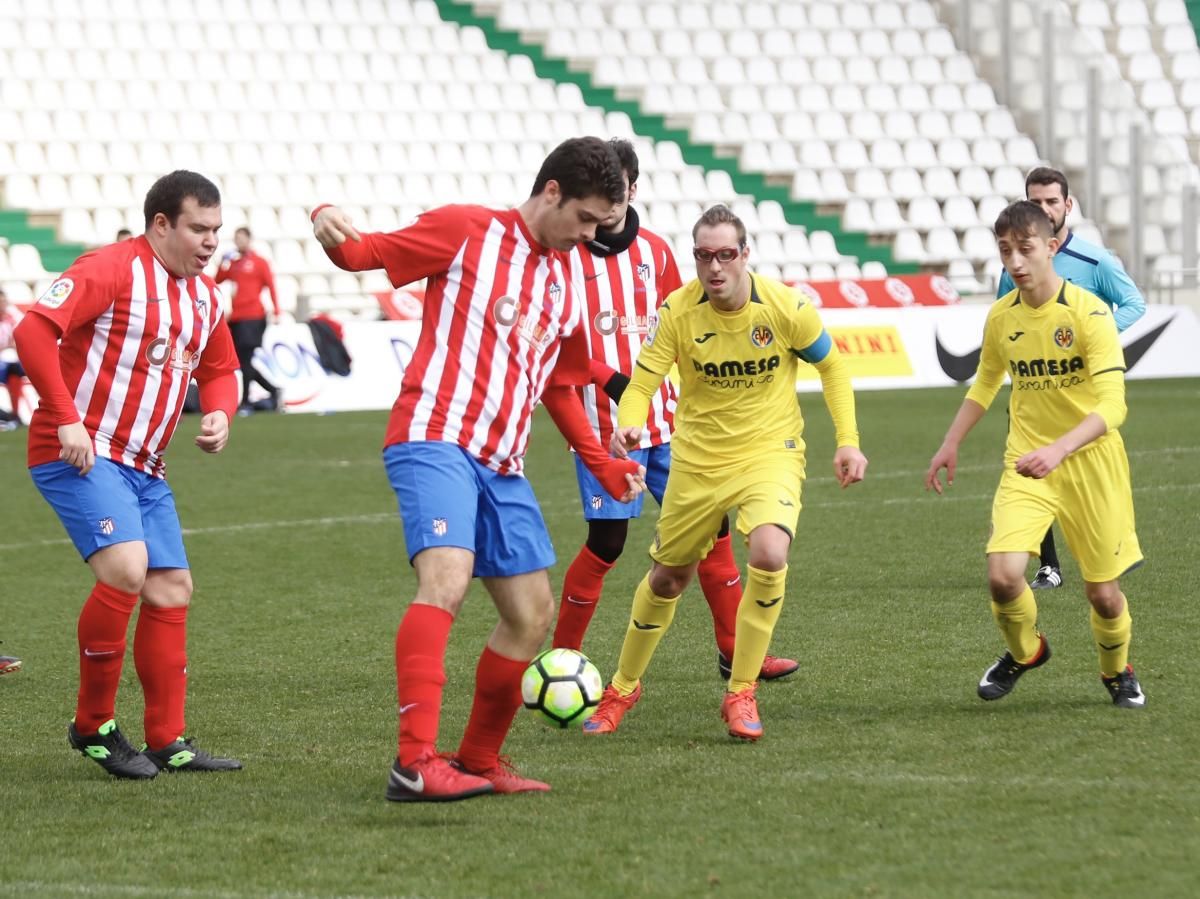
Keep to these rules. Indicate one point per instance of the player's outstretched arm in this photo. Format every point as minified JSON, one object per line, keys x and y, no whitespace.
{"x":946,"y":457}
{"x":332,"y":227}
{"x":345,"y":247}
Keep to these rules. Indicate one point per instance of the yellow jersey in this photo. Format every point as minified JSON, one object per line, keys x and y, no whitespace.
{"x":1054,"y":355}
{"x":737,"y":375}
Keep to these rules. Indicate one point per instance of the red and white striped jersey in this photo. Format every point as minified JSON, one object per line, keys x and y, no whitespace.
{"x":622,"y":293}
{"x":497,"y":313}
{"x":132,"y":337}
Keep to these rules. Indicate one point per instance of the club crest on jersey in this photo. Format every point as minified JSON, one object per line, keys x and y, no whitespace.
{"x":555,"y":291}
{"x":440,"y":527}
{"x":597,"y":501}
{"x":163,"y":352}
{"x":57,"y":293}
{"x":643,"y":271}
{"x":202,"y":305}
{"x":1064,"y":337}
{"x":761,"y":336}
{"x":106,"y":526}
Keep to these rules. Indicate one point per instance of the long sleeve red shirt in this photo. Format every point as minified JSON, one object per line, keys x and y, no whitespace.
{"x":250,"y":273}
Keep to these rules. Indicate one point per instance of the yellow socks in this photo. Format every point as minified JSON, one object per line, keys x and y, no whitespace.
{"x":649,"y":620}
{"x":1018,"y":623}
{"x":1112,"y":637}
{"x":760,"y":608}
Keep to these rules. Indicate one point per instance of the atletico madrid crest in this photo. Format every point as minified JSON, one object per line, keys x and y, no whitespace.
{"x":440,"y":527}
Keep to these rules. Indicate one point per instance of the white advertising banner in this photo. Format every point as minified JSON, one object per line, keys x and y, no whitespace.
{"x":885,"y":348}
{"x":379,"y":352}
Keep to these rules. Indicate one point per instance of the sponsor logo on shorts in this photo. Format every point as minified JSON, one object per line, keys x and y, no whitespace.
{"x":440,"y":527}
{"x":106,"y":525}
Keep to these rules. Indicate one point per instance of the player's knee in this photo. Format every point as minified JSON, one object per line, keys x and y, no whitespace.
{"x":606,"y":540}
{"x":127,"y":579}
{"x":443,"y":585}
{"x":1004,"y":586}
{"x":768,"y":559}
{"x":125,"y":574}
{"x":169,"y":589}
{"x":532,"y":618}
{"x":668,"y":581}
{"x":1106,"y":598}
{"x":541,"y":616}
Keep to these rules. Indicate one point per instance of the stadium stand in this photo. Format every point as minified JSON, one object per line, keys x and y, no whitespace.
{"x":853,"y":137}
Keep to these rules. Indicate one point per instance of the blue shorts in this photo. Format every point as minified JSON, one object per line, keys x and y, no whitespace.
{"x":447,"y":498}
{"x":599,"y":505}
{"x":8,"y":369}
{"x":111,"y":504}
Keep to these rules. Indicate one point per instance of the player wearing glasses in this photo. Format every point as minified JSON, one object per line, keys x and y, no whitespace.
{"x":737,"y":339}
{"x":623,"y":275}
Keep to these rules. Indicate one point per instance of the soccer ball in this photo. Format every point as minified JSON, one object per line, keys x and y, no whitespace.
{"x":561,"y":687}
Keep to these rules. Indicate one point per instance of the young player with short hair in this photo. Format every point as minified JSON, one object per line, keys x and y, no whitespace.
{"x":1064,"y":456}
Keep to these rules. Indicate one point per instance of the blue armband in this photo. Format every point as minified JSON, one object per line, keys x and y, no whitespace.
{"x":817,"y":350}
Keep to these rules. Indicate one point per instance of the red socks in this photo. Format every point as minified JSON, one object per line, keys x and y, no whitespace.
{"x":420,"y":675}
{"x":160,"y":654}
{"x":101,"y":631}
{"x":721,"y":582}
{"x":497,"y":698}
{"x":14,"y":385}
{"x":582,"y":586}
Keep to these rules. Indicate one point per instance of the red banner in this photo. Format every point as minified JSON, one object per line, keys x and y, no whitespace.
{"x":887,"y":293}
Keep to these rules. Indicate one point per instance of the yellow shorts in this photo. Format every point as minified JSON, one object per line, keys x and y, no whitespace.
{"x":765,"y":490}
{"x":1090,"y":495}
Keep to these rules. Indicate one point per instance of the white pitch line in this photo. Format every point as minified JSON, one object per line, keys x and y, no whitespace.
{"x":326,"y":521}
{"x":131,"y":889}
{"x":993,"y":466}
{"x":335,"y":520}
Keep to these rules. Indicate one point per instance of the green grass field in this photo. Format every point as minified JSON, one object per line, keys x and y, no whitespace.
{"x":881,"y":773}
